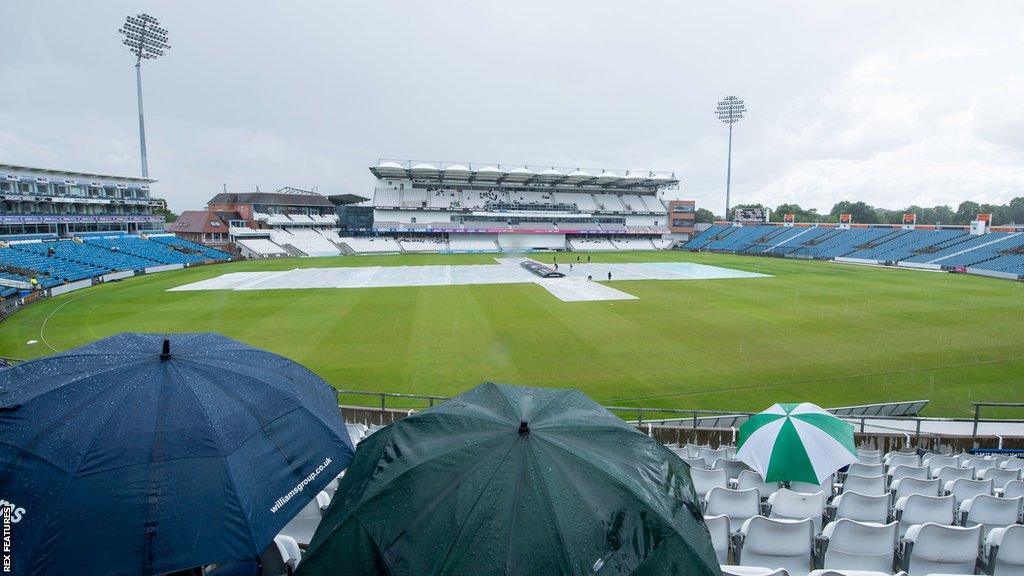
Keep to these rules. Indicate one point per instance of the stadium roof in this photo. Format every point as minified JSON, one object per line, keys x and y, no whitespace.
{"x":345,"y":199}
{"x":519,"y":174}
{"x":198,"y":222}
{"x":280,"y":198}
{"x":69,"y":173}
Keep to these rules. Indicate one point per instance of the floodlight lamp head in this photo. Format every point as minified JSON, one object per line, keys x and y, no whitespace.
{"x":144,"y":37}
{"x":730,"y":110}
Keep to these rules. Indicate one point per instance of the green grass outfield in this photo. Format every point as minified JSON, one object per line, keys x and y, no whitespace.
{"x":829,"y":333}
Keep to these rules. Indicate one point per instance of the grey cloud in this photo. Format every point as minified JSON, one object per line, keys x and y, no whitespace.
{"x":887,"y":102}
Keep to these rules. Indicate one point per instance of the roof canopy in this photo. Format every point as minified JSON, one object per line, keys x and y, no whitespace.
{"x":520,"y":174}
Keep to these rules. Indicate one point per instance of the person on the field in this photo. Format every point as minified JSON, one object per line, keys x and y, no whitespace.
{"x":590,"y":278}
{"x":588,"y":257}
{"x":609,"y":275}
{"x":577,"y":257}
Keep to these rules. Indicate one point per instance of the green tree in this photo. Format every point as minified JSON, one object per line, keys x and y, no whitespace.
{"x":163,"y":210}
{"x":967,"y":211}
{"x":861,"y":212}
{"x":704,"y":216}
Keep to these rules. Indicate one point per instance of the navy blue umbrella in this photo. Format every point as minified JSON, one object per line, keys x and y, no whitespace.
{"x":144,"y":454}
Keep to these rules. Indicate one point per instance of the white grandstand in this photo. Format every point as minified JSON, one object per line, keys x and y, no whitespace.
{"x":464,"y":207}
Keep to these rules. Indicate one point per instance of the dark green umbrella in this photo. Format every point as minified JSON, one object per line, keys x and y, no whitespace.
{"x":506,"y":480}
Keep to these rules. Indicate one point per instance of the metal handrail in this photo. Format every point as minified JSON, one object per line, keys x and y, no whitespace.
{"x":977,"y":416}
{"x":693,"y":415}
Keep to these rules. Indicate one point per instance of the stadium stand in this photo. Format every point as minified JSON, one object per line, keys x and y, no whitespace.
{"x":466,"y":203}
{"x":260,"y":248}
{"x":421,"y":243}
{"x":376,"y":245}
{"x":996,"y":253}
{"x":189,"y":247}
{"x":472,"y":243}
{"x":56,"y":262}
{"x":592,"y":245}
{"x":863,"y":527}
{"x":306,"y":240}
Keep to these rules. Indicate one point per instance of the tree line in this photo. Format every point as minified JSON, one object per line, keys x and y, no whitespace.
{"x":864,"y":213}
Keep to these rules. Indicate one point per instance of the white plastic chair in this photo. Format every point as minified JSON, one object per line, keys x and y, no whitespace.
{"x":980,"y":463}
{"x":752,"y":479}
{"x":871,"y":485}
{"x":869,"y":456}
{"x":695,"y":462}
{"x":999,"y":476}
{"x":865,"y":469}
{"x":907,"y":486}
{"x":718,"y":527}
{"x":705,"y":480}
{"x":963,"y":489}
{"x":736,"y":570}
{"x":779,"y":543}
{"x":302,"y":527}
{"x":332,"y":487}
{"x":921,"y":509}
{"x":936,"y":461}
{"x":281,"y":557}
{"x":693,"y":449}
{"x":710,"y":455}
{"x":947,"y":474}
{"x":1013,"y":464}
{"x":738,"y":505}
{"x":936,"y":549}
{"x":990,"y":512}
{"x":849,"y":545}
{"x":894,"y":459}
{"x":827,"y":485}
{"x":789,"y":505}
{"x":963,"y":458}
{"x":733,"y":467}
{"x":907,"y":471}
{"x":1004,"y":551}
{"x":862,"y":507}
{"x":1013,"y":489}
{"x":837,"y":572}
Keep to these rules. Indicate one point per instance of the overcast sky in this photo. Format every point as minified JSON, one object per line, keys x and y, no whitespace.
{"x":894,"y":103}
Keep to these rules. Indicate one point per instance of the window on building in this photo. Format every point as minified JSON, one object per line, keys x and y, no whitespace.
{"x":680,"y":222}
{"x":682,"y":208}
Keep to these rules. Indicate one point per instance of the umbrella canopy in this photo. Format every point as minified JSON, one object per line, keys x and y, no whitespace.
{"x":796,"y":443}
{"x":504,"y":480}
{"x":138,"y":454}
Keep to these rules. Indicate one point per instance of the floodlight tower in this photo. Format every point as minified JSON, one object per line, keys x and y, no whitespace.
{"x":146,"y":40}
{"x":730,"y":110}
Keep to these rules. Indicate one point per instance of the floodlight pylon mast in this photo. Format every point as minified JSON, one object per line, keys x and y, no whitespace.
{"x":730,"y":110}
{"x":145,"y":39}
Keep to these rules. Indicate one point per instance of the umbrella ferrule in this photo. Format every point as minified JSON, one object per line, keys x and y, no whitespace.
{"x":524,"y":429}
{"x":165,"y":352}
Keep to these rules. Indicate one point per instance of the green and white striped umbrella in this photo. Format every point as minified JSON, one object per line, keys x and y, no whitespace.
{"x":796,"y":443}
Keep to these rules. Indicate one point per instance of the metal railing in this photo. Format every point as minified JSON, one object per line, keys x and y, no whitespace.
{"x":689,"y":418}
{"x":977,"y":415}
